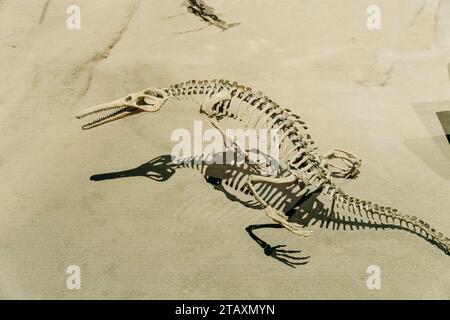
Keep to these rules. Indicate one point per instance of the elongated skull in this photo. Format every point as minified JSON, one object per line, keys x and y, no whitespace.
{"x":148,"y":100}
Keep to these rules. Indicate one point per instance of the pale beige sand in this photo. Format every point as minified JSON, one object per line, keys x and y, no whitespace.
{"x":137,"y":238}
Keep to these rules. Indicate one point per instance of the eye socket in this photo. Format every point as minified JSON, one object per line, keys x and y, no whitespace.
{"x":154,"y":93}
{"x":128,"y":99}
{"x":141,"y":102}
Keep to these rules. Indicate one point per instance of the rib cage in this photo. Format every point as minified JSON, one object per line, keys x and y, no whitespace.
{"x":234,"y":179}
{"x":258,"y":111}
{"x":297,"y":149}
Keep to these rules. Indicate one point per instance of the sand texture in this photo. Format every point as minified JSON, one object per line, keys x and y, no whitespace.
{"x":373,"y":92}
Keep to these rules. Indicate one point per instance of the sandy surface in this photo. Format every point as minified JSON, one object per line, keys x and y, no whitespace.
{"x":372,"y":92}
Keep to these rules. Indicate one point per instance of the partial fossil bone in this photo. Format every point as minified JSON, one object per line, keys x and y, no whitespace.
{"x":304,"y":168}
{"x":206,"y":13}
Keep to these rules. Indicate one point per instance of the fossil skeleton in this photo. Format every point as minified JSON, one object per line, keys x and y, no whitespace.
{"x":303,"y":167}
{"x":206,"y":13}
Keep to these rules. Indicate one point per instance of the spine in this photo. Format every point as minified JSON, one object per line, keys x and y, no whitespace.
{"x":387,"y":216}
{"x":189,"y":89}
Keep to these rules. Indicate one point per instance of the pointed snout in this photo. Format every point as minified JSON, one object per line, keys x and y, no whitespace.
{"x":98,"y":108}
{"x":149,"y":100}
{"x":106,"y":112}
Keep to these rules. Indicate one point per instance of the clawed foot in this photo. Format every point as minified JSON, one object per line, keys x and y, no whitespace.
{"x":341,"y":164}
{"x":285,"y":256}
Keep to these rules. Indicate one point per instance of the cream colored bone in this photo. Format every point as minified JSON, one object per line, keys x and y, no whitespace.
{"x":307,"y":169}
{"x":276,"y":215}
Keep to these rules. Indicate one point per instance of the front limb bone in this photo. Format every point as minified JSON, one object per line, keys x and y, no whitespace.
{"x":254,"y":167}
{"x":212,"y":99}
{"x":348,"y":166}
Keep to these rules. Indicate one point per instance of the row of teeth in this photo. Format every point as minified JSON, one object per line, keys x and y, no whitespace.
{"x":102,"y":118}
{"x":97,"y":111}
